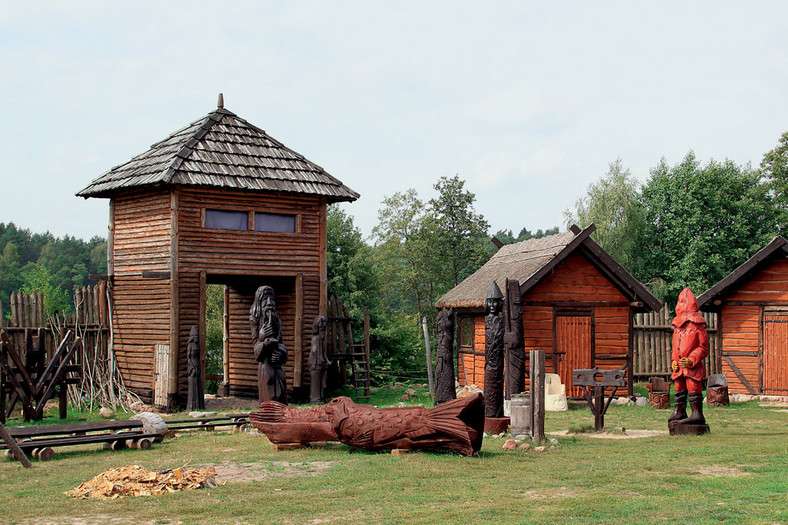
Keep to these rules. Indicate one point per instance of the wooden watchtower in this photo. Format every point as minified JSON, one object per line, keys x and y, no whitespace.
{"x":217,"y":202}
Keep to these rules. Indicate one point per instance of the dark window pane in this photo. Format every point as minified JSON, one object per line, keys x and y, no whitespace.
{"x":274,"y":222}
{"x":466,"y":333}
{"x":227,"y":220}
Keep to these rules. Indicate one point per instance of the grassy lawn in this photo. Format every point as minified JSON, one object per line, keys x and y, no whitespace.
{"x":736,"y":474}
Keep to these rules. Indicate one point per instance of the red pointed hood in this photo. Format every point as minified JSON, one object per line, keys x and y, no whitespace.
{"x":687,"y":309}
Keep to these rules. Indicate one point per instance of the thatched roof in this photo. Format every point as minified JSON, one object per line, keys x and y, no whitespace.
{"x":530,"y":261}
{"x":222,"y":150}
{"x":776,"y":249}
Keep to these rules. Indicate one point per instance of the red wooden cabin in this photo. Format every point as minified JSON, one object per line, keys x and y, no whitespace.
{"x":752,"y":307}
{"x":578,"y":304}
{"x":221,"y":202}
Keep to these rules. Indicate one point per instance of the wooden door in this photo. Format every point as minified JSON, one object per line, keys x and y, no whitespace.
{"x":573,"y":346}
{"x":775,"y":354}
{"x":161,"y":375}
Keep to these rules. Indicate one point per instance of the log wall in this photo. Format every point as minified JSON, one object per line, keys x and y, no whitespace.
{"x":140,"y":306}
{"x":143,"y":227}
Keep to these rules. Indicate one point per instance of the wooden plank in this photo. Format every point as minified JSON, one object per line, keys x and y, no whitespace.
{"x":298,"y":353}
{"x":323,"y":233}
{"x":172,"y":381}
{"x":14,"y":447}
{"x":740,"y":375}
{"x":226,"y":336}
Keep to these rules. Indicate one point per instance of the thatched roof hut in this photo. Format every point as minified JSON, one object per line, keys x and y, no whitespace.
{"x":578,"y":304}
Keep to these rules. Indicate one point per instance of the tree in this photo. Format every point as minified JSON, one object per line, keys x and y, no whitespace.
{"x":351,"y":272}
{"x":702,"y":222}
{"x":774,"y":168}
{"x":613,"y":205}
{"x":459,"y":230}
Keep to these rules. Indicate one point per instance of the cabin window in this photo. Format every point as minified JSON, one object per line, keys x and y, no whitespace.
{"x":466,"y":332}
{"x":226,"y":220}
{"x":274,"y":222}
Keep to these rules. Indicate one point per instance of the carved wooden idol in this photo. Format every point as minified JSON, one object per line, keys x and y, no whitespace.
{"x":196,"y":397}
{"x":318,"y":361}
{"x":513,"y":341}
{"x":444,"y":366}
{"x":269,"y":351}
{"x":493,"y":353}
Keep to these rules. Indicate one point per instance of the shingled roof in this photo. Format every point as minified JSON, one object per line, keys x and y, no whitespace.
{"x":222,"y":150}
{"x":776,"y":249}
{"x":532,"y":260}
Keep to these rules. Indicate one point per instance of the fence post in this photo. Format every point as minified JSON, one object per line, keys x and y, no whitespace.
{"x":429,"y":355}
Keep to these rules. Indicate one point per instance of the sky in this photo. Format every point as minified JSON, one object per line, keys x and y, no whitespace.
{"x":528,"y":102}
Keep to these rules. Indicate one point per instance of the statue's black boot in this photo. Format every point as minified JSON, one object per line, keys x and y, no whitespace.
{"x":680,"y":412}
{"x":696,"y":404}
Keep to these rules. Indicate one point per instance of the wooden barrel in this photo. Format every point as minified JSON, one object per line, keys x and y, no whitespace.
{"x":520,"y":414}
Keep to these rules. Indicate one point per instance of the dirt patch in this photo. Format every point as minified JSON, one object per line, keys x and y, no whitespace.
{"x":628,"y":434}
{"x":550,"y":493}
{"x":233,"y":404}
{"x":722,"y":472}
{"x":230,"y":472}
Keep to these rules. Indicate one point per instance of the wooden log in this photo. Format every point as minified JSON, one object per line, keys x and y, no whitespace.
{"x":14,"y":447}
{"x":537,"y":364}
{"x":298,"y":351}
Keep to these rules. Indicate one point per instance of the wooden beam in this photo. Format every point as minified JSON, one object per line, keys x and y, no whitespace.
{"x":172,"y":379}
{"x":323,"y":232}
{"x":740,"y":375}
{"x":14,"y":447}
{"x":298,"y":351}
{"x":201,"y":325}
{"x":111,"y":239}
{"x":226,"y":338}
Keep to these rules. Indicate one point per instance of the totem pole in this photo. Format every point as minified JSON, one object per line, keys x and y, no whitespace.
{"x":318,"y":361}
{"x":493,"y":353}
{"x":513,"y":339}
{"x":196,"y":398}
{"x":444,"y":365}
{"x":269,"y":351}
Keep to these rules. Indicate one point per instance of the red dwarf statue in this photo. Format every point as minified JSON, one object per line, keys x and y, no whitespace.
{"x":690,"y":348}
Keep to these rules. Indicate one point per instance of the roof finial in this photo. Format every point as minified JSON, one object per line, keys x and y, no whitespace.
{"x":220,"y":104}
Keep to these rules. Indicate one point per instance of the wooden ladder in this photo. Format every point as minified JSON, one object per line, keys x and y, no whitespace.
{"x":360,"y":369}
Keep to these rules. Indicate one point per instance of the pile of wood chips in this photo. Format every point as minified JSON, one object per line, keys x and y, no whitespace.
{"x":134,"y":480}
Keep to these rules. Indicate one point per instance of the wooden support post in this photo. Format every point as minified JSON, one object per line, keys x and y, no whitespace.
{"x":537,"y":364}
{"x":201,"y":327}
{"x":12,"y":445}
{"x":599,"y":410}
{"x":323,"y":261}
{"x":298,"y":351}
{"x":172,"y":378}
{"x":226,"y":340}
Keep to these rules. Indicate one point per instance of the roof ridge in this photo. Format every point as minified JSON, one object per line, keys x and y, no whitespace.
{"x":187,"y":148}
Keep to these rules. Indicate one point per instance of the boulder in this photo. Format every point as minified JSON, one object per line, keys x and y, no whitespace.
{"x":510,"y":444}
{"x":106,"y":412}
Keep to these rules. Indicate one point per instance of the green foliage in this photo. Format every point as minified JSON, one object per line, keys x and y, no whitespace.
{"x":507,"y":237}
{"x":612,"y":204}
{"x":68,"y":260}
{"x":702,"y":222}
{"x":774,"y":167}
{"x":37,"y":278}
{"x":351,"y":270}
{"x":459,"y":231}
{"x":214,"y":332}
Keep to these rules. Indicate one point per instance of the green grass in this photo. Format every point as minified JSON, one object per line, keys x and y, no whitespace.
{"x":736,"y":474}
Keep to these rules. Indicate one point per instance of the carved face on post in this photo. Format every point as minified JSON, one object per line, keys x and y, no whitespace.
{"x":319,"y":325}
{"x":493,"y":306}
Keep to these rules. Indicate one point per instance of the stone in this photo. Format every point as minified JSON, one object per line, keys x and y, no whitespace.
{"x":405,"y":397}
{"x":520,"y":437}
{"x":137,"y":406}
{"x":410,"y":392}
{"x":502,"y":434}
{"x":510,"y":444}
{"x":741,"y":398}
{"x":553,"y":441}
{"x":468,"y":390}
{"x":539,"y":449}
{"x":200,"y":415}
{"x":524,"y":446}
{"x":106,"y":413}
{"x":641,"y":402}
{"x":622,"y":401}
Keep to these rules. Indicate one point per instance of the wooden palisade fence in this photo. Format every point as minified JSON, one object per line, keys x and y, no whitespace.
{"x":653,"y":341}
{"x":91,"y":321}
